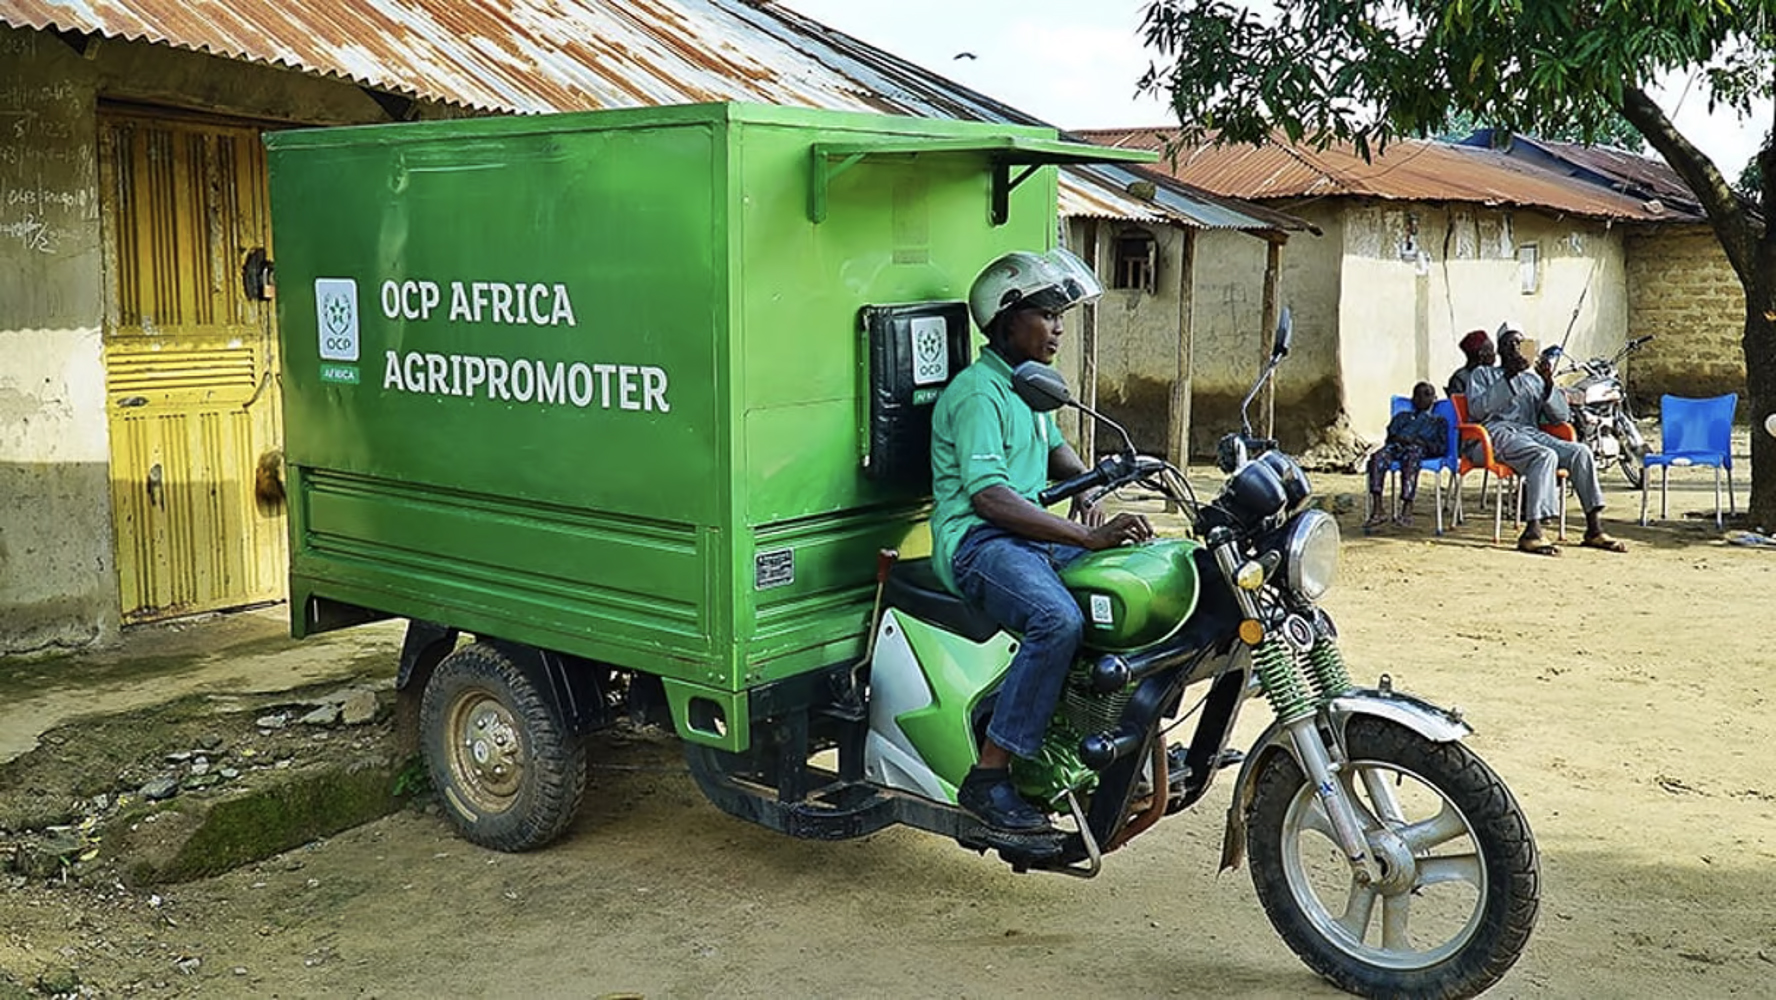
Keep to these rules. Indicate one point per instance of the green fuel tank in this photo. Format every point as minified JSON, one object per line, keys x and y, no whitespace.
{"x":1135,"y":596}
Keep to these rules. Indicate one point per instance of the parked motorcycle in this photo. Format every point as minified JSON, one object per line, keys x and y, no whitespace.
{"x":1600,"y":413}
{"x":1386,"y":854}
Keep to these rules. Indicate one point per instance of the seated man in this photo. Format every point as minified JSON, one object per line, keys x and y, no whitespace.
{"x":991,"y":454}
{"x":1477,"y":348}
{"x":1412,"y":436}
{"x":1511,"y":401}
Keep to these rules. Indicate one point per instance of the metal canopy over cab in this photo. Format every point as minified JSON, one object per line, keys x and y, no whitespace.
{"x":1004,"y":152}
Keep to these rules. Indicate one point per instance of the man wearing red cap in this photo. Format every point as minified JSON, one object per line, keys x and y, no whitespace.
{"x":1477,"y":348}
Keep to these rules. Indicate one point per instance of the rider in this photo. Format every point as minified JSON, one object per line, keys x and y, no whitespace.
{"x":991,"y":454}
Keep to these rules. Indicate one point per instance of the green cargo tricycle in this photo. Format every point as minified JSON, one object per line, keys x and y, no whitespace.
{"x":640,"y":401}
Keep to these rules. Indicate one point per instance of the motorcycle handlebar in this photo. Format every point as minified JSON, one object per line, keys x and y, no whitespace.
{"x":1106,"y":472}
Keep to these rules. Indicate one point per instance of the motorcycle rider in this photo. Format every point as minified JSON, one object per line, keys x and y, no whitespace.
{"x":991,"y":454}
{"x":1512,"y":400}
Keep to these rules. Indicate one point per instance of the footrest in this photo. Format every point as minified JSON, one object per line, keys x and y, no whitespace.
{"x":1020,"y":850}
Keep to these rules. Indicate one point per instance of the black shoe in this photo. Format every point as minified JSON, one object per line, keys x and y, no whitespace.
{"x":991,"y":798}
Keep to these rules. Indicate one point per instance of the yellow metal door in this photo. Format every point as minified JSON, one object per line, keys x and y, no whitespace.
{"x":192,"y":395}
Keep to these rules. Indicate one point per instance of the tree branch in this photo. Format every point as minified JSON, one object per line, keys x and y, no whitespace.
{"x":1725,"y":213}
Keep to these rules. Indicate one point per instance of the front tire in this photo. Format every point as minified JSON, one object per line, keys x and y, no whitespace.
{"x":510,"y":775}
{"x":1461,"y":878}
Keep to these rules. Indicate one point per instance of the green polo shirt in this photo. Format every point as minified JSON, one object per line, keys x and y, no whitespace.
{"x":982,"y":435}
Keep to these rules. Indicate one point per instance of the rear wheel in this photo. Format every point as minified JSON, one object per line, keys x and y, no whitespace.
{"x":1460,"y":882}
{"x":510,"y":775}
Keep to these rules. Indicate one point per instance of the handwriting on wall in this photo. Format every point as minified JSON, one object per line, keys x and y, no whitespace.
{"x":47,"y":167}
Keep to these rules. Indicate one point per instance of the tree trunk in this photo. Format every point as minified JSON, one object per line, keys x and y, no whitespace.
{"x":1760,"y":381}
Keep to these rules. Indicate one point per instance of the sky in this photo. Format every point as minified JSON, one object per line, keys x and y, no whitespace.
{"x":1075,"y":63}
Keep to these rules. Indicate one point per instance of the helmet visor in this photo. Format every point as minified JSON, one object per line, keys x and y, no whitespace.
{"x":1073,"y":283}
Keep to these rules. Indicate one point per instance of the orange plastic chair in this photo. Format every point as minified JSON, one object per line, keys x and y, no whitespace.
{"x":1489,"y":465}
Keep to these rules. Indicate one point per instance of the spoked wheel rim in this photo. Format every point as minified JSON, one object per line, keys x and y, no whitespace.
{"x":1431,"y":899}
{"x":485,"y":752}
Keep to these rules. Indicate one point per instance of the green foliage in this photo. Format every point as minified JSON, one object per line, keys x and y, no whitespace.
{"x":1617,"y":132}
{"x":413,"y":779}
{"x":1751,"y":180}
{"x":1366,"y":71}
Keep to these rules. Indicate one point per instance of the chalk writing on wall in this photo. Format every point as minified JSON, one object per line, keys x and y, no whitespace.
{"x":47,"y":171}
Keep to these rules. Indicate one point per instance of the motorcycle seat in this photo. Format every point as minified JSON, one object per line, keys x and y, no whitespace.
{"x":913,"y":588}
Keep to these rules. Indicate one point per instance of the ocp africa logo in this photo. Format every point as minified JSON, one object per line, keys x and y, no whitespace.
{"x":336,"y":314}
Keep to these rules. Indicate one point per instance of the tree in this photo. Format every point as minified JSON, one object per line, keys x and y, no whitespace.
{"x":1367,"y":71}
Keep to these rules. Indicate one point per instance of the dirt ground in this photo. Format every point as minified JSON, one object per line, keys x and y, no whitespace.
{"x":1626,"y":699}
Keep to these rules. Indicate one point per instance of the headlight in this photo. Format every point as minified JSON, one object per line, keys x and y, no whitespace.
{"x":1310,"y":553}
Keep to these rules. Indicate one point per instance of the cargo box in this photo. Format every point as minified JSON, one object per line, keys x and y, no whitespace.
{"x":649,"y":388}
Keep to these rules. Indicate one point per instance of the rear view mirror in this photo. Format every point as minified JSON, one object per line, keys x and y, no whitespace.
{"x":1285,"y":333}
{"x":1040,"y":387}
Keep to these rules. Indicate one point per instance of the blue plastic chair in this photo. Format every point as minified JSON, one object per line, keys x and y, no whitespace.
{"x":1693,"y":432}
{"x":1435,"y":466}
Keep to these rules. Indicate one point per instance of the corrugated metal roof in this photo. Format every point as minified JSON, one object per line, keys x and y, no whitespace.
{"x":536,"y":56}
{"x":1184,"y":203}
{"x":1408,"y":170}
{"x":1643,"y":177}
{"x":527,"y":56}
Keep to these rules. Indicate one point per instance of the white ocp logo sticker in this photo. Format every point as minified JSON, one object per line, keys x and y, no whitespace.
{"x":336,"y":313}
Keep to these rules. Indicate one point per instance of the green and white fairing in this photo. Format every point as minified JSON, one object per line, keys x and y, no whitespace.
{"x":925,"y":683}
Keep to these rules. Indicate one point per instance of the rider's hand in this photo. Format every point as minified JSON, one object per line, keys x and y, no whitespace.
{"x":1090,"y":513}
{"x":1125,"y":528}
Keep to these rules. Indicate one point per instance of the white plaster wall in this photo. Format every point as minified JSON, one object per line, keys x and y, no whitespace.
{"x":1138,"y":334}
{"x":1417,"y":277}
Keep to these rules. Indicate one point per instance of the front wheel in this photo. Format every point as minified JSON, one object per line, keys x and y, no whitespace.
{"x":510,"y":775}
{"x":1460,"y":882}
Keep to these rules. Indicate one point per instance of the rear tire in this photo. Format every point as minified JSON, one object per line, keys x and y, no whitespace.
{"x":1461,"y":878}
{"x":510,"y":775}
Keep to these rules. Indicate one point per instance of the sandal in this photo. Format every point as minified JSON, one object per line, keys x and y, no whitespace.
{"x":1537,"y":547}
{"x":1603,"y":541}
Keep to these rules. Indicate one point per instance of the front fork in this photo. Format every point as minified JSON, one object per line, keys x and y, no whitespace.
{"x":1300,"y":669}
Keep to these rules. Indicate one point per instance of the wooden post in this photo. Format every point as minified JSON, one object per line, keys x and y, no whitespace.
{"x":1272,"y":268}
{"x":1088,"y":354}
{"x":1178,"y":452}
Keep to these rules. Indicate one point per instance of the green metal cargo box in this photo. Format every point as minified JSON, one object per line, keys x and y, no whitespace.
{"x":601,"y":383}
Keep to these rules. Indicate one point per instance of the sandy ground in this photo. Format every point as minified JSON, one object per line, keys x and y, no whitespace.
{"x":1625,"y":698}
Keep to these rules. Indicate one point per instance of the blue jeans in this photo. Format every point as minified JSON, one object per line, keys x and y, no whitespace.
{"x":1015,"y":581}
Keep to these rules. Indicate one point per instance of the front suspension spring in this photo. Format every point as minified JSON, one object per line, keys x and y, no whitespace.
{"x":1325,"y":667}
{"x":1284,"y":686}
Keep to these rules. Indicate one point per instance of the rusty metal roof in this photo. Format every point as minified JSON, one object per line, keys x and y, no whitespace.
{"x":1408,"y":170}
{"x":1643,"y":177}
{"x":537,"y":56}
{"x":1112,"y":190}
{"x":523,"y":56}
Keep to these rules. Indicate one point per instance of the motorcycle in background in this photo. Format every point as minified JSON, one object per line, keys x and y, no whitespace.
{"x":1600,"y":414}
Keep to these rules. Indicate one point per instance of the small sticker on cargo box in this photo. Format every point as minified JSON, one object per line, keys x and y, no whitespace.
{"x":336,"y":313}
{"x":1102,"y":614}
{"x":773,"y":569}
